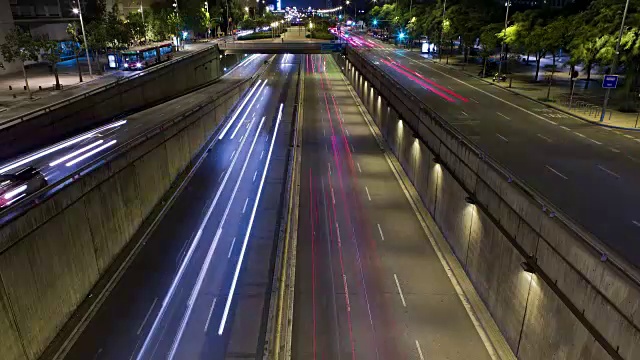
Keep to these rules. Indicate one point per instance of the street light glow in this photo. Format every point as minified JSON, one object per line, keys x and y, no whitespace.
{"x":246,"y":8}
{"x":76,"y":11}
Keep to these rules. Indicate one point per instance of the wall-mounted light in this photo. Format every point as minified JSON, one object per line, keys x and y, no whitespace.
{"x":527,"y":267}
{"x":470,"y":200}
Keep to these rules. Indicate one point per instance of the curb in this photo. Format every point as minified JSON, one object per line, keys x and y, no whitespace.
{"x":556,"y":107}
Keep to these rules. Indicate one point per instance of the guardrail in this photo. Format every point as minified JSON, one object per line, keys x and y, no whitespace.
{"x":20,"y":207}
{"x":595,"y":244}
{"x":118,"y":81}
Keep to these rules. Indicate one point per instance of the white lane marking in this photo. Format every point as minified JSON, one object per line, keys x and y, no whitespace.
{"x":244,"y":208}
{"x":544,"y":137}
{"x":614,"y":150}
{"x":564,"y":127}
{"x":231,"y":248}
{"x":206,"y":325}
{"x":329,"y":167}
{"x":638,"y":140}
{"x":221,"y":176}
{"x":474,"y":100}
{"x":381,"y":234}
{"x":635,"y":222}
{"x":609,"y":171}
{"x":352,"y":149}
{"x":449,"y":87}
{"x":557,"y":173}
{"x":400,"y":290}
{"x":419,"y":350}
{"x":581,"y":135}
{"x":504,"y":116}
{"x":464,"y":113}
{"x":147,"y":316}
{"x":233,"y":153}
{"x":629,"y":136}
{"x":595,"y":141}
{"x":367,"y":189}
{"x":262,"y":153}
{"x":254,"y":176}
{"x":359,"y":169}
{"x":333,"y":198}
{"x":502,"y":137}
{"x":549,"y":121}
{"x":606,"y":128}
{"x":347,"y":132}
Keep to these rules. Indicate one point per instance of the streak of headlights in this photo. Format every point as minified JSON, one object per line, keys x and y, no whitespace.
{"x":247,"y":111}
{"x":233,"y":118}
{"x":91,"y":153}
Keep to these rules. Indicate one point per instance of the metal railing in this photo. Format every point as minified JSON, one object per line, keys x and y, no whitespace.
{"x":119,"y":80}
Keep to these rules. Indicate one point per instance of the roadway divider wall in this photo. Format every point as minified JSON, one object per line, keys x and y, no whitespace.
{"x":155,"y":85}
{"x":52,"y":256}
{"x":580,"y":302}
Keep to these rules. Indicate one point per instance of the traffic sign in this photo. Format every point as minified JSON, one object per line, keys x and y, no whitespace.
{"x":335,"y":47}
{"x":610,"y":81}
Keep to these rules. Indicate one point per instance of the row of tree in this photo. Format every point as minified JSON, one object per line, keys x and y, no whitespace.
{"x":587,"y":31}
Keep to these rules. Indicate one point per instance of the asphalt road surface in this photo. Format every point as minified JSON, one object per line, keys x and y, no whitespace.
{"x":589,"y":172}
{"x":368,"y":283}
{"x":198,"y":289}
{"x":59,"y":160}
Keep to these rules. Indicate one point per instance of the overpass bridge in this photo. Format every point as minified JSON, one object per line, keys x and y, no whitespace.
{"x":302,"y":47}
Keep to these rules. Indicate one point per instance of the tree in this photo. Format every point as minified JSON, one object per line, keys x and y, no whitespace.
{"x":489,"y":41}
{"x":136,"y":26}
{"x":20,"y":46}
{"x":51,"y":54}
{"x":97,"y":40}
{"x":78,"y":45}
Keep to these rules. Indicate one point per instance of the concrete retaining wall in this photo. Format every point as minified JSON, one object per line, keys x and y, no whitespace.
{"x":159,"y":84}
{"x":575,"y":306}
{"x":52,"y":256}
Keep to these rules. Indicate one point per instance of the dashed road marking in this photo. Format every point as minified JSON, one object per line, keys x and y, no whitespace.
{"x":419,"y":350}
{"x":368,"y":196}
{"x":504,"y":116}
{"x":474,"y":100}
{"x":557,"y":173}
{"x":595,"y":141}
{"x":400,"y":290}
{"x":544,"y":137}
{"x":502,"y":137}
{"x":381,"y":234}
{"x":206,"y":325}
{"x":581,"y":135}
{"x":609,"y":171}
{"x":359,"y":169}
{"x":566,"y":128}
{"x":614,"y":150}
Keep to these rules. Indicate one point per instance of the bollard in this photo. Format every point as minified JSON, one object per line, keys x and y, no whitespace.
{"x":39,"y":87}
{"x":10,"y":87}
{"x":24,"y":87}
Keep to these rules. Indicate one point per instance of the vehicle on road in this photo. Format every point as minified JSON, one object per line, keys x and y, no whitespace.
{"x":18,"y":185}
{"x":141,"y":57}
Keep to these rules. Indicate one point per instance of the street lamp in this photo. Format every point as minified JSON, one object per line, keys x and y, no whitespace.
{"x":614,"y":65}
{"x":144,"y":28}
{"x":84,"y":36}
{"x":506,"y":19}
{"x":444,"y":10}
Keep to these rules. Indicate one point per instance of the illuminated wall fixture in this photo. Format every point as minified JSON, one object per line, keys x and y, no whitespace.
{"x":470,"y":200}
{"x":527,"y":267}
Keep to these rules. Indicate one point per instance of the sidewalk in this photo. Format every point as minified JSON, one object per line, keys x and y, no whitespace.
{"x":15,"y":101}
{"x":586,"y":103}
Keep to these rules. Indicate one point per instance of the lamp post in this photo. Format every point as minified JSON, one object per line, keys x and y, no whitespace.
{"x":506,"y":19}
{"x":444,"y":10}
{"x":614,"y":65}
{"x":144,"y":27}
{"x":84,"y":36}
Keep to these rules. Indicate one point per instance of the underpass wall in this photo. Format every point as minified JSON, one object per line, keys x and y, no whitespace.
{"x":53,"y":255}
{"x":581,"y":302}
{"x":159,"y":84}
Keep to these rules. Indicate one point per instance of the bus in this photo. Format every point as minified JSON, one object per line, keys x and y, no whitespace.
{"x":141,"y":57}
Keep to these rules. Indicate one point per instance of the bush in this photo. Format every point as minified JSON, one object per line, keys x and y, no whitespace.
{"x":321,"y":36}
{"x":256,"y":36}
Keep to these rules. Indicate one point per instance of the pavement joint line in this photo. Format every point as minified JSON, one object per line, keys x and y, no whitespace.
{"x":557,"y":172}
{"x":609,"y":171}
{"x":595,"y":141}
{"x":254,"y":176}
{"x":477,"y":311}
{"x":614,"y":150}
{"x":380,"y":230}
{"x":404,"y":303}
{"x":464,"y":113}
{"x":581,"y":135}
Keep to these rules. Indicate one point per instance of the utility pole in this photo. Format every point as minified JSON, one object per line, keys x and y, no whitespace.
{"x":614,"y":65}
{"x":506,"y":19}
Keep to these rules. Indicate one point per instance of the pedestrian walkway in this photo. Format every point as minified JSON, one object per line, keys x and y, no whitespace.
{"x":585,"y":104}
{"x":14,"y":98}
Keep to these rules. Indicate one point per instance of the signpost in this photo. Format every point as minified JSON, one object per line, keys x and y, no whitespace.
{"x":610,"y":82}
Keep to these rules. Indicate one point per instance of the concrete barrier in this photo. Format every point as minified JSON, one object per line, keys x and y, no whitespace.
{"x":51,"y":257}
{"x":577,"y":303}
{"x":131,"y":94}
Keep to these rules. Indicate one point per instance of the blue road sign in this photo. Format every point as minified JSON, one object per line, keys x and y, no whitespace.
{"x":335,"y":47}
{"x":610,"y":81}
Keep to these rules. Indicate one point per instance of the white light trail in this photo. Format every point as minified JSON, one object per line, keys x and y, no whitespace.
{"x":233,"y":118}
{"x":91,"y":153}
{"x":15,"y":192}
{"x":246,"y":237}
{"x":247,"y":111}
{"x":69,"y":156}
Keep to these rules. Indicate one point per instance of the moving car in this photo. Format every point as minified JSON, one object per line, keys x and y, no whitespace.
{"x":21,"y":184}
